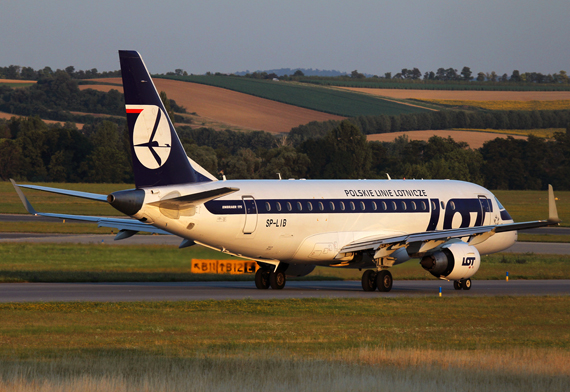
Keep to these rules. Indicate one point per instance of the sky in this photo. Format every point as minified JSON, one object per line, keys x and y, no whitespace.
{"x":227,"y":36}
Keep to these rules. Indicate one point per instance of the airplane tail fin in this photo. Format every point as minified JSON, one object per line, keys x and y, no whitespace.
{"x":158,"y":156}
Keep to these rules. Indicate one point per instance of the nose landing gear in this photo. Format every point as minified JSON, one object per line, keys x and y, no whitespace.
{"x":464,"y":284}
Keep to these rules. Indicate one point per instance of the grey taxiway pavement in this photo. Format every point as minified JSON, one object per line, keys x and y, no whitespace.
{"x":115,"y":292}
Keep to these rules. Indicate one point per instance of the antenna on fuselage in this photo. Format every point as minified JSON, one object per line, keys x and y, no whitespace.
{"x":388,"y":176}
{"x":279,"y":174}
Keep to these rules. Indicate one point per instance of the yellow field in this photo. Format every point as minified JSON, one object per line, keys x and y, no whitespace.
{"x":546,"y":132}
{"x":504,"y":105}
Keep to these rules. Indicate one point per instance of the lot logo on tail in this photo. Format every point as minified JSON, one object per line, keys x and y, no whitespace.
{"x":151,"y":135}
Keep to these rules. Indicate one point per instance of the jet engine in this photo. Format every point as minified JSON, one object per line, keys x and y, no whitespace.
{"x":455,"y":261}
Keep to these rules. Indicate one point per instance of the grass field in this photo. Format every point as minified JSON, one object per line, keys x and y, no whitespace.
{"x":544,"y":132}
{"x":411,"y":344}
{"x":474,"y":138}
{"x":503,"y":105}
{"x":423,"y":85}
{"x":333,"y":101}
{"x":220,"y":108}
{"x":35,"y":262}
{"x":464,"y":95}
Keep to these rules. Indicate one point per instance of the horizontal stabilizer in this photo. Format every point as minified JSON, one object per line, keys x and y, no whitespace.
{"x":180,"y":202}
{"x":67,"y":192}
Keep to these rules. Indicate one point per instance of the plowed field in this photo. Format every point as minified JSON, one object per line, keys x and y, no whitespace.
{"x":474,"y":139}
{"x":230,"y":107}
{"x":465,"y":94}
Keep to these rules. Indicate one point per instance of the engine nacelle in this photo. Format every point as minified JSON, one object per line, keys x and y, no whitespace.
{"x":455,"y":261}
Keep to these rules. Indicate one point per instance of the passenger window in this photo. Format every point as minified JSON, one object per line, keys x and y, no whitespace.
{"x":267,"y":206}
{"x":321,"y":206}
{"x":362,"y":206}
{"x":404,"y":206}
{"x":331,"y":205}
{"x":374,"y":207}
{"x":309,"y":206}
{"x":342,"y":206}
{"x":442,"y":206}
{"x":352,"y":208}
{"x":423,"y":206}
{"x":384,"y":206}
{"x":413,"y":204}
{"x":278,"y":205}
{"x":433,"y":205}
{"x":394,"y":206}
{"x":299,"y":206}
{"x":289,"y":206}
{"x":452,"y":205}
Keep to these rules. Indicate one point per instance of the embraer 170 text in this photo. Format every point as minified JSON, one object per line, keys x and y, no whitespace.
{"x":290,"y":226}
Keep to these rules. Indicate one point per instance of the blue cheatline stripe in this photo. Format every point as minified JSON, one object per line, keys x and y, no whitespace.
{"x":320,"y":206}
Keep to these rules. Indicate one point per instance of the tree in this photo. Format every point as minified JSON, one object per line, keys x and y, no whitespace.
{"x":107,"y":149}
{"x":466,"y":74}
{"x":166,"y":103}
{"x":481,"y":77}
{"x":349,"y":156}
{"x":298,"y":73}
{"x":516,"y":76}
{"x":356,"y":75}
{"x":287,"y":161}
{"x":388,"y":75}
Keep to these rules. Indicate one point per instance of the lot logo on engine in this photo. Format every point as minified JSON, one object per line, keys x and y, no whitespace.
{"x":468,"y":261}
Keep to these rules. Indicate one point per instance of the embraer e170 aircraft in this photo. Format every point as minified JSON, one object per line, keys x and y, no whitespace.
{"x":290,"y":226}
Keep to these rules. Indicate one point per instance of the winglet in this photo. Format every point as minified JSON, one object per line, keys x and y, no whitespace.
{"x":23,"y":198}
{"x":552,"y":211}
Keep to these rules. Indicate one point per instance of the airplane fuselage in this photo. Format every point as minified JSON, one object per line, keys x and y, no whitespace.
{"x":308,"y":222}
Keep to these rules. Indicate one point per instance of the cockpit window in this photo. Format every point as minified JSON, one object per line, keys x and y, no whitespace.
{"x":499,"y":204}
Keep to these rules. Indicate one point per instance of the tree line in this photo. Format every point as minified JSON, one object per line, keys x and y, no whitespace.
{"x":444,"y":119}
{"x":32,"y":150}
{"x":17,"y":72}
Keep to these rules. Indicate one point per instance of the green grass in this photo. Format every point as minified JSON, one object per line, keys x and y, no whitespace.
{"x":36,"y":262}
{"x":50,"y":202}
{"x":333,"y":101}
{"x":409,"y":344}
{"x":533,"y":205}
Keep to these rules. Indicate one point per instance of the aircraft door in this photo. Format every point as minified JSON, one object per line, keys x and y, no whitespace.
{"x":485,"y":210}
{"x":434,"y":218}
{"x":250,"y":214}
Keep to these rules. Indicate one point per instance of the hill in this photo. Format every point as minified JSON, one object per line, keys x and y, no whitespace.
{"x":323,"y":99}
{"x":230,"y":108}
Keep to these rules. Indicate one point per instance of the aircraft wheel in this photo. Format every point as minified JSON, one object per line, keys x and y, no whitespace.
{"x":369,"y":280}
{"x":262,"y":279}
{"x":384,"y":280}
{"x":277,"y":280}
{"x":457,"y":285}
{"x":466,"y":284}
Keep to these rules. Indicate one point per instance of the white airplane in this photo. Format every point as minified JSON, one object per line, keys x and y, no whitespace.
{"x":290,"y":226}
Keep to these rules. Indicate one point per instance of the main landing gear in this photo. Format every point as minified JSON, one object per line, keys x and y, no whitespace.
{"x":381,"y":280}
{"x":265,"y":278}
{"x":464,"y":284}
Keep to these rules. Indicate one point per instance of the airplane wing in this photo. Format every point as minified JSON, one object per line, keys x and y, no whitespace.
{"x":126,"y":226}
{"x":418,"y":244}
